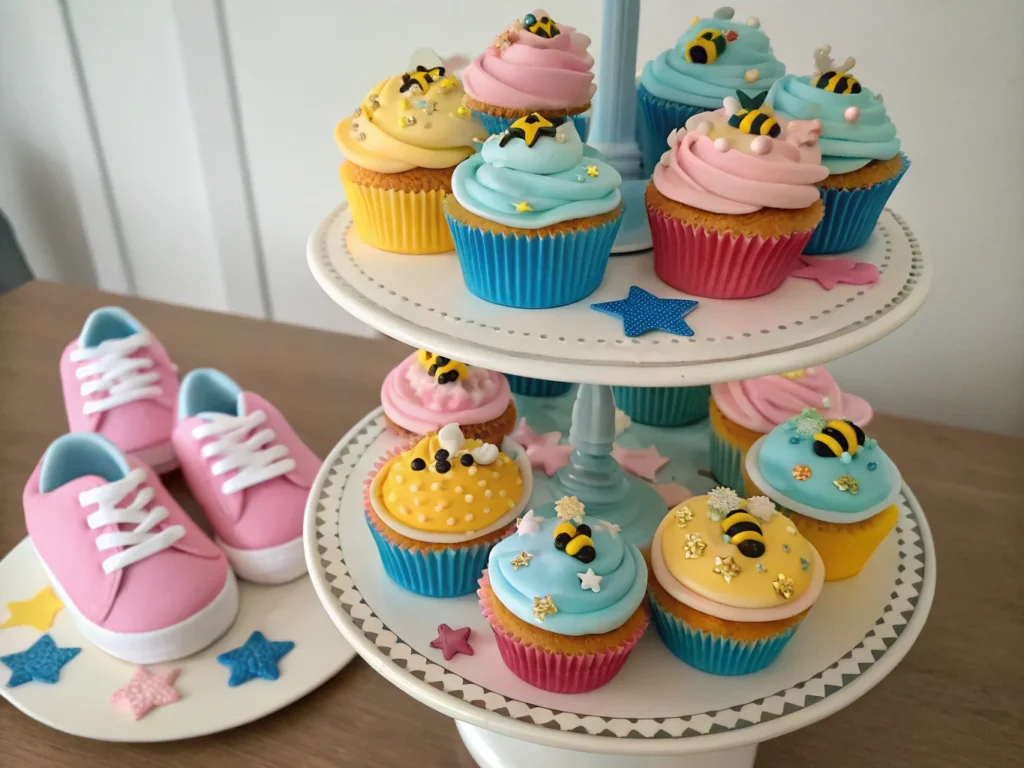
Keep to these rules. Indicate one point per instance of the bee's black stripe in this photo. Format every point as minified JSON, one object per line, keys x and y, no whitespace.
{"x":842,"y":83}
{"x":759,"y":120}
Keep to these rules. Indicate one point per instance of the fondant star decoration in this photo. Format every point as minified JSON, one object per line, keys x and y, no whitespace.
{"x":847,"y":484}
{"x":529,"y":523}
{"x":727,"y":568}
{"x":38,"y":611}
{"x":611,"y":529}
{"x":642,"y":311}
{"x":829,"y":271}
{"x":523,"y":207}
{"x":451,"y":641}
{"x":145,"y":691}
{"x":42,"y":661}
{"x":545,"y":452}
{"x":590,"y":580}
{"x":543,"y":606}
{"x":683,"y":516}
{"x":570,"y":508}
{"x":592,"y":171}
{"x":642,"y":462}
{"x":257,"y":658}
{"x":783,"y":586}
{"x":521,"y":560}
{"x":673,"y":493}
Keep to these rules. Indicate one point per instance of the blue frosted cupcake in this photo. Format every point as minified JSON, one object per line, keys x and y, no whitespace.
{"x":436,"y":509}
{"x":713,"y":59}
{"x":731,"y":580}
{"x":533,"y":215}
{"x":663,"y":406}
{"x":523,"y":385}
{"x":858,"y":145}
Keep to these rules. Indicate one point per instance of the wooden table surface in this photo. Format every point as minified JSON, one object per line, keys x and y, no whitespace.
{"x":957,"y":699}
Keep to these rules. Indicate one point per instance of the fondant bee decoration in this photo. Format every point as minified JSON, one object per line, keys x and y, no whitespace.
{"x":531,"y":128}
{"x":575,"y":540}
{"x":838,"y":439}
{"x":542,"y":27}
{"x":743,"y":530}
{"x":445,"y":369}
{"x":831,"y":78}
{"x":421,"y":78}
{"x":708,"y":46}
{"x":753,"y":117}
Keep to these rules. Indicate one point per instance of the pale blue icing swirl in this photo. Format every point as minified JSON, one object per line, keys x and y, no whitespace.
{"x":844,"y":146}
{"x":670,"y":76}
{"x":551,"y":176}
{"x":553,"y":572}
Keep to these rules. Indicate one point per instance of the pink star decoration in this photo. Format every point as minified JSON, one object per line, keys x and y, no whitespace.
{"x":672,"y":493}
{"x":146,"y":690}
{"x":452,"y":641}
{"x":832,"y":270}
{"x":642,"y":462}
{"x":544,"y":451}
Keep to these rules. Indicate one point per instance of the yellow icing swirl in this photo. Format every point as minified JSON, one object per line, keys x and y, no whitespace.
{"x":394,"y":131}
{"x":461,"y":500}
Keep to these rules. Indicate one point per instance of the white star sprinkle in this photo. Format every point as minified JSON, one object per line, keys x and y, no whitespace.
{"x":530,"y":523}
{"x":590,"y":580}
{"x":611,"y":528}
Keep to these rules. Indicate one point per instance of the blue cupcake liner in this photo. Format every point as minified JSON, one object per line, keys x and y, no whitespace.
{"x":523,"y":385}
{"x":851,"y":215}
{"x":656,"y":119}
{"x":663,"y":406}
{"x":432,"y":573}
{"x":713,"y":654}
{"x":726,"y":462}
{"x":533,"y":272}
{"x":500,"y":124}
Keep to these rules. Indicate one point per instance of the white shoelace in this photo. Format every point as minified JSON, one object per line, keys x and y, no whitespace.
{"x":142,"y":541}
{"x":255,"y":459}
{"x":122,"y":378}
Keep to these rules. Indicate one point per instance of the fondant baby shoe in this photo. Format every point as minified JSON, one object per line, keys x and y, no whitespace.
{"x":120,"y":383}
{"x":250,"y":472}
{"x":139,"y":578}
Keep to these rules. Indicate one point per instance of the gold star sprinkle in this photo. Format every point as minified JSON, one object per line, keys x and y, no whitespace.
{"x":570,"y":508}
{"x":523,"y":207}
{"x":406,"y":121}
{"x":727,"y":567}
{"x":801,"y":472}
{"x":694,"y":546}
{"x":592,"y":170}
{"x":462,"y":111}
{"x":543,"y":606}
{"x":429,"y":107}
{"x":523,"y":558}
{"x":847,"y":484}
{"x":783,"y":586}
{"x":683,"y":516}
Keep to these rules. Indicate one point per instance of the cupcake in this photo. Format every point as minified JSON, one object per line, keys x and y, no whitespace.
{"x":426,"y":391}
{"x":534,"y":65}
{"x":733,"y":202}
{"x":837,"y":486}
{"x":400,"y":147}
{"x":436,"y":509}
{"x":731,"y":580}
{"x":713,"y":59}
{"x":523,"y":385}
{"x":565,"y":598}
{"x":744,"y":411}
{"x":663,"y":406}
{"x":858,"y":146}
{"x":534,"y":215}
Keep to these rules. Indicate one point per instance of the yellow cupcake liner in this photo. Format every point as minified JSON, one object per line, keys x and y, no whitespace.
{"x":845,"y":548}
{"x":398,"y":221}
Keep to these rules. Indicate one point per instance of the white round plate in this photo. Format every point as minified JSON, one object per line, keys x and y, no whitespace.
{"x":423,"y":301}
{"x":79,"y":703}
{"x":854,"y":636}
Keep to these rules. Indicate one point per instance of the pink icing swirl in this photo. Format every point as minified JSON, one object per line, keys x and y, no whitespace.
{"x":762,"y":404}
{"x":414,"y":400}
{"x":534,"y":72}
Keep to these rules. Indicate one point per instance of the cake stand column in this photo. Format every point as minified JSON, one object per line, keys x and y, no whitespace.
{"x":596,"y":479}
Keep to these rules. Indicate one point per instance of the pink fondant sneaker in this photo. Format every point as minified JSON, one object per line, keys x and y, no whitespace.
{"x":139,"y":578}
{"x":120,"y":383}
{"x":250,"y":472}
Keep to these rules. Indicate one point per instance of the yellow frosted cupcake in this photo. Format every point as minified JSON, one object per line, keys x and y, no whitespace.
{"x":401,"y":146}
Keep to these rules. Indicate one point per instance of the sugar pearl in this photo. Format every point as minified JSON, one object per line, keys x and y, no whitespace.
{"x":468,"y":517}
{"x":422,"y":518}
{"x":511,"y":504}
{"x":417,"y":502}
{"x":435,"y":486}
{"x":502,"y":494}
{"x":487,"y":510}
{"x":450,"y":521}
{"x":469,"y":498}
{"x":403,"y":509}
{"x":472,"y":471}
{"x":496,"y":475}
{"x":751,"y":75}
{"x":392,"y":496}
{"x":414,"y":487}
{"x":488,"y":493}
{"x":722,"y":144}
{"x":761,"y":145}
{"x":851,"y":115}
{"x":398,"y":479}
{"x":458,"y":489}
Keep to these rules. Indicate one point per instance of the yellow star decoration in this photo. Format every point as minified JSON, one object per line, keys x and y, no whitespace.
{"x":847,"y":484}
{"x":523,"y":207}
{"x":683,"y":516}
{"x":447,"y":84}
{"x":569,"y":508}
{"x":38,"y":611}
{"x":797,"y":374}
{"x":543,"y":606}
{"x":694,"y":546}
{"x":592,"y":170}
{"x":523,"y":558}
{"x":783,"y":586}
{"x":462,"y":111}
{"x":727,"y":567}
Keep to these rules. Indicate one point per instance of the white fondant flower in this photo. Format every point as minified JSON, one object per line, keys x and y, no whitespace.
{"x":722,"y":501}
{"x":808,"y":422}
{"x":761,"y":507}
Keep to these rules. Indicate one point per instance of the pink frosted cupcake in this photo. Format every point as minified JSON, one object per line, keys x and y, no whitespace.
{"x":732,"y":202}
{"x":534,"y":65}
{"x":426,"y":391}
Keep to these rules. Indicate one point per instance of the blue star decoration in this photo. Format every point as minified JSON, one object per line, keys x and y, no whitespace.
{"x":257,"y":658}
{"x":642,"y":311}
{"x":42,"y":661}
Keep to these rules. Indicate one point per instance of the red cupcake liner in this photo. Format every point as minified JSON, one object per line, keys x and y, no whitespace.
{"x":716,"y":265}
{"x":558,"y":672}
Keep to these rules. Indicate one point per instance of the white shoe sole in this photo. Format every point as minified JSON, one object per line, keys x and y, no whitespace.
{"x":174,"y":642}
{"x":275,"y":565}
{"x":160,"y":458}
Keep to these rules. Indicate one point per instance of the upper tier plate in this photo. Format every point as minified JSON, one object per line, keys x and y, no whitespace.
{"x":423,"y":301}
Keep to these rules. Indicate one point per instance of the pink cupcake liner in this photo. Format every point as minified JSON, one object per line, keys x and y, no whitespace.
{"x":557,"y":672}
{"x":717,"y":265}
